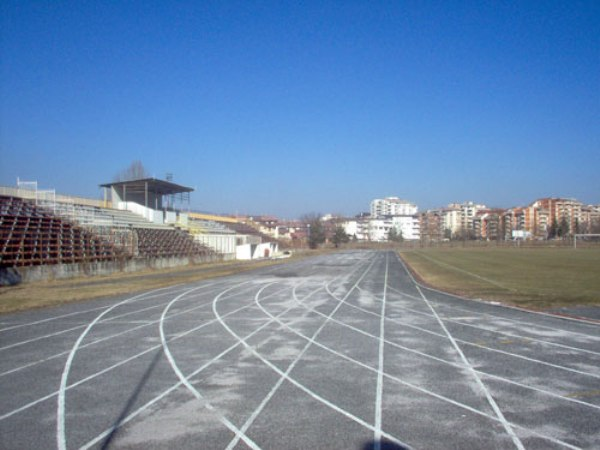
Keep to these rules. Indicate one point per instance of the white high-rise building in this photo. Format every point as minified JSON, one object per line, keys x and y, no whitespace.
{"x":392,"y":206}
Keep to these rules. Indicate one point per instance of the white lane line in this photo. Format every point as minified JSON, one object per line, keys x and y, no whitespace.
{"x":516,"y":355}
{"x":471,"y":369}
{"x":122,"y":362}
{"x":239,"y":434}
{"x":58,"y":333}
{"x":300,"y":385}
{"x":532,"y":339}
{"x":184,"y":380}
{"x":579,"y":320}
{"x":61,"y":439}
{"x":440,"y":360}
{"x":379,"y":392}
{"x":63,"y":316}
{"x":286,"y":374}
{"x":411,"y":297}
{"x":144,"y":407}
{"x":473,"y":344}
{"x":39,"y":338}
{"x":50,"y":319}
{"x":542,"y":341}
{"x":423,"y":390}
{"x":416,"y":387}
{"x":194,"y":373}
{"x":347,"y":276}
{"x":520,"y":321}
{"x":105,"y":338}
{"x":159,"y":397}
{"x":268,"y":397}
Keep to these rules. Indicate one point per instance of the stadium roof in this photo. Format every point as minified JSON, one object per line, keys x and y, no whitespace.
{"x":159,"y":187}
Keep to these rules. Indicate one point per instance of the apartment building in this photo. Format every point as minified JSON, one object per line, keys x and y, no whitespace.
{"x":378,"y":229}
{"x":488,"y":224}
{"x":590,"y":219}
{"x":431,"y":225}
{"x":458,"y":217}
{"x":539,"y":220}
{"x":409,"y":227}
{"x":357,"y":229}
{"x":392,"y":206}
{"x":562,"y":209}
{"x":473,"y":220}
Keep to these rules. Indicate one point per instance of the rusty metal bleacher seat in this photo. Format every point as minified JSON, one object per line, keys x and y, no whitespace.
{"x":32,"y":236}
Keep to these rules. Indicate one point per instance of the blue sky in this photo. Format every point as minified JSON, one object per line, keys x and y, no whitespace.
{"x":288,"y":108}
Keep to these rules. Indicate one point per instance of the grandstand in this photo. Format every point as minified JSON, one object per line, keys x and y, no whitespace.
{"x":137,"y":223}
{"x":45,"y":230}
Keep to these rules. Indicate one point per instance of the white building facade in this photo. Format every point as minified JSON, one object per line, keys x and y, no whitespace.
{"x":458,"y":217}
{"x":408,"y":227}
{"x":392,"y":206}
{"x":357,"y":229}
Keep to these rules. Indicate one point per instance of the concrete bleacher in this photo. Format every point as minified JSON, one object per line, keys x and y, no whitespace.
{"x":94,"y":216}
{"x":30,"y":235}
{"x":138,"y":237}
{"x":208,"y":226}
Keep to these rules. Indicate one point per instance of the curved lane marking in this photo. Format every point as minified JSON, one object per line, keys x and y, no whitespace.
{"x":185,"y":381}
{"x":61,"y":439}
{"x":300,"y":385}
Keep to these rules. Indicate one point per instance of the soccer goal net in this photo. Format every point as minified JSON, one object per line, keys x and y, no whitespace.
{"x":586,"y":240}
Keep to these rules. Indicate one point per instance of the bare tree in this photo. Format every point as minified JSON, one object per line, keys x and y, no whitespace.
{"x":135,"y":171}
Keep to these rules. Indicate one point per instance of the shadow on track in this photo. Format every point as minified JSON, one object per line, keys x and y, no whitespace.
{"x":131,"y":401}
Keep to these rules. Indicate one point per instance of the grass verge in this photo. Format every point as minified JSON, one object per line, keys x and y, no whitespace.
{"x":538,"y":278}
{"x":56,"y":292}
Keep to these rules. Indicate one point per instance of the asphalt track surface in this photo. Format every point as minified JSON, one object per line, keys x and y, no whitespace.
{"x":340,"y":351}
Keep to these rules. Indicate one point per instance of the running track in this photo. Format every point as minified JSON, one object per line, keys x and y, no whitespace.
{"x":338,"y":351}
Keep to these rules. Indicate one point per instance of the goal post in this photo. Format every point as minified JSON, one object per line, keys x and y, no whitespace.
{"x":585,"y":236}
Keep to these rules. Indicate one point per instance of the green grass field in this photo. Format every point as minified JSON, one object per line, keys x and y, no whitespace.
{"x":537,"y":278}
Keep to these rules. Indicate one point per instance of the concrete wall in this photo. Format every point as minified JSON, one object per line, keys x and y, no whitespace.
{"x":170,"y":217}
{"x":221,"y":243}
{"x":256,"y":251}
{"x":244,"y":252}
{"x":65,"y":271}
{"x":149,"y":214}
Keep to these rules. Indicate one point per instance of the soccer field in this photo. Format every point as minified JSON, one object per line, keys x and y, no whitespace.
{"x":532,"y":277}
